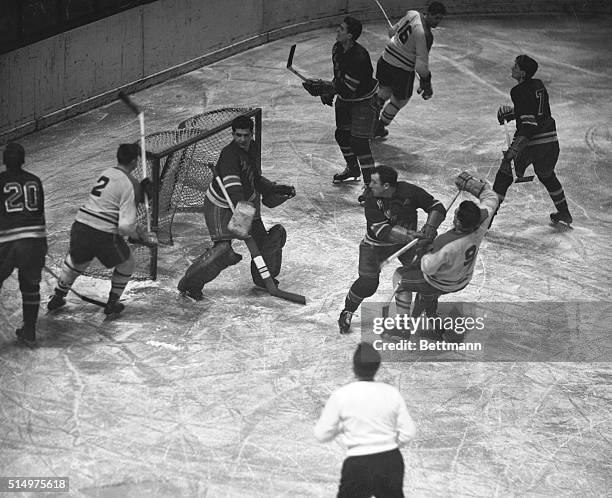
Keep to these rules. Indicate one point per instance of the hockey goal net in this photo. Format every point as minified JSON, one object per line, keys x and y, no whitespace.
{"x":181,"y":164}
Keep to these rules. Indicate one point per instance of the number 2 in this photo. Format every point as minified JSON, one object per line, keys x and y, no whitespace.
{"x":470,"y":255}
{"x":100,"y":184}
{"x":404,"y":32}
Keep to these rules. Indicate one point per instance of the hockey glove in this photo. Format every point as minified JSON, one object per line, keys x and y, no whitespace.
{"x":505,"y":168}
{"x":401,"y":235}
{"x":317,"y":87}
{"x":328,"y":99}
{"x":146,"y":188}
{"x":467,"y":182}
{"x":518,"y":144}
{"x":425,"y":89}
{"x":505,"y":113}
{"x":143,"y":237}
{"x":428,"y":232}
{"x":279,"y":194}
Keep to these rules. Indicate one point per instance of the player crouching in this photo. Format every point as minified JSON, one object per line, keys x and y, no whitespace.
{"x":99,"y":229}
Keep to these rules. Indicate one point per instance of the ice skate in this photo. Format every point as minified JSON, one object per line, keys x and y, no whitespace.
{"x":381,"y":130}
{"x":195,"y":294}
{"x":56,"y":301}
{"x":344,"y":322}
{"x":26,"y":334}
{"x":560,"y":218}
{"x":113,"y":306}
{"x":348,"y":175}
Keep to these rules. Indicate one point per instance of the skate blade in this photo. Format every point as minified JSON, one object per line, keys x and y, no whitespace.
{"x":350,"y":179}
{"x":524,"y":179}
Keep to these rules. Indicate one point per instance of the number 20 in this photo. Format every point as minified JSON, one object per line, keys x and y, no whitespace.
{"x":21,"y":197}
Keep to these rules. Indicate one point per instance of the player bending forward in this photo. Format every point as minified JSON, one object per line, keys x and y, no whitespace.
{"x":391,"y":219}
{"x":406,"y":53}
{"x":449,"y":266}
{"x":100,"y":227}
{"x":372,"y":420}
{"x":23,"y":236}
{"x":535,"y":141}
{"x":239,"y":170}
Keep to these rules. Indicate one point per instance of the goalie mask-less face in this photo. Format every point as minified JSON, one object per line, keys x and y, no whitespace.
{"x":243,"y":138}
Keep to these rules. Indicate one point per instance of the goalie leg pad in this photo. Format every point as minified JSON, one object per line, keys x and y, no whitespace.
{"x":207,"y":267}
{"x":271,"y":248}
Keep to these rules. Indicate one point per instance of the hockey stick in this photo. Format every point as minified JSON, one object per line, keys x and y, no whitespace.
{"x":78,"y":294}
{"x":143,"y":152}
{"x":519,"y":179}
{"x":290,"y":63}
{"x":384,"y":13}
{"x":412,"y":243}
{"x":262,"y":268}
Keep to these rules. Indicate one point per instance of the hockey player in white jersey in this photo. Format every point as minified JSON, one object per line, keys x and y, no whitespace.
{"x":406,"y":52}
{"x":449,"y":266}
{"x":109,"y":214}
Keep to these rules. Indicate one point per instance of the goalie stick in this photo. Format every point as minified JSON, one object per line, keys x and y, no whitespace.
{"x":143,"y":153}
{"x":262,"y":268}
{"x":290,"y":63}
{"x":78,"y":294}
{"x":522,"y":179}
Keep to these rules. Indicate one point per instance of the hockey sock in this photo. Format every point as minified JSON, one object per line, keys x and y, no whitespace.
{"x":362,"y":288}
{"x":30,"y":297}
{"x":555,"y":190}
{"x":361,"y":147}
{"x":502,"y":184}
{"x":388,"y":113}
{"x":343,"y":138}
{"x":70,"y":272}
{"x":121,"y":276}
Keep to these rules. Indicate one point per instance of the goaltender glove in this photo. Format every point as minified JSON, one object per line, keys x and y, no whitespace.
{"x":467,"y":182}
{"x":143,"y":237}
{"x":425,"y":89}
{"x":505,"y":113}
{"x":278,"y":195}
{"x":316,"y":87}
{"x":146,"y":188}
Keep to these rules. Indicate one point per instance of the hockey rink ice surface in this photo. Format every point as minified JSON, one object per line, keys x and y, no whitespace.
{"x":219,"y":398}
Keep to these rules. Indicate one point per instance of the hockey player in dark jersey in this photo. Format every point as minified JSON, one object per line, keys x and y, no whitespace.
{"x":356,"y":102}
{"x":535,"y":141}
{"x":23,"y":236}
{"x":239,"y":169}
{"x":391,"y":222}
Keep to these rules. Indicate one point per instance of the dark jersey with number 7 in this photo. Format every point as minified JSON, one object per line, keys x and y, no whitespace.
{"x":22,"y":206}
{"x":532,"y":112}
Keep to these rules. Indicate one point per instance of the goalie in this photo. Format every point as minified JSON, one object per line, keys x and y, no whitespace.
{"x":240,"y":172}
{"x":100,"y":227}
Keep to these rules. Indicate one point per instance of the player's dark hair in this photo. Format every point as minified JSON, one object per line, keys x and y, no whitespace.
{"x":126,"y":153}
{"x":387,"y":174}
{"x":435,"y":8}
{"x":366,"y":361}
{"x":527,"y":64}
{"x":469,"y":215}
{"x":242,"y":123}
{"x":13,"y":155}
{"x":353,"y":27}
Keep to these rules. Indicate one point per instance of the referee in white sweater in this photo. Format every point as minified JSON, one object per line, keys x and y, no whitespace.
{"x":374,"y":423}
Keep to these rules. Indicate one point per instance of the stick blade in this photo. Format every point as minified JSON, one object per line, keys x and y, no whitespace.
{"x":129,"y":102}
{"x":291,"y":54}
